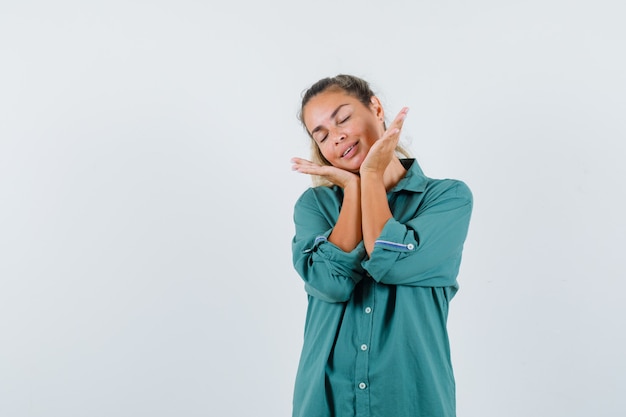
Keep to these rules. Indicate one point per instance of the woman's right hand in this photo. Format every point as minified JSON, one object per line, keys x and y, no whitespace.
{"x":337,"y":176}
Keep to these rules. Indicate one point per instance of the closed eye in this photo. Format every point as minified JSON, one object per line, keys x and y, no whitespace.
{"x":345,"y":119}
{"x":320,"y":137}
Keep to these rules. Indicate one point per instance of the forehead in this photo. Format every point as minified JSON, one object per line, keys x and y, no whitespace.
{"x":321,"y":106}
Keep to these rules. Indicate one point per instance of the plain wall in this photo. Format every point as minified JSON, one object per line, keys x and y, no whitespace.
{"x":146,"y":196}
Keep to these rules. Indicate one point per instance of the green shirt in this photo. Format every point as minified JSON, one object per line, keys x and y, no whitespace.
{"x":375,"y":337}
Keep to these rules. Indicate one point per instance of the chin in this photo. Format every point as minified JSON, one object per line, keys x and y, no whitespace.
{"x":355,"y":167}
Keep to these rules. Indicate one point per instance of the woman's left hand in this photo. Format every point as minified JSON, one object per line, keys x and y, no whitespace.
{"x":381,"y":153}
{"x":337,"y":176}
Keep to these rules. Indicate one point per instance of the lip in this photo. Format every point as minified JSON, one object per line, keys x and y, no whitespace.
{"x":349,"y":150}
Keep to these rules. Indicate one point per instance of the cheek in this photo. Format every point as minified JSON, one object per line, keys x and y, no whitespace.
{"x":324,"y":151}
{"x":373,"y":133}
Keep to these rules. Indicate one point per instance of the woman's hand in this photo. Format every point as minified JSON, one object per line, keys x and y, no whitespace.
{"x":337,"y":176}
{"x":381,"y":153}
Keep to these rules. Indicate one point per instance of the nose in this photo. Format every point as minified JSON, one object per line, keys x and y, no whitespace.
{"x":338,"y":136}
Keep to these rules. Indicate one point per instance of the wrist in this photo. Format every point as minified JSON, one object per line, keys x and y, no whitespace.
{"x":353,"y":183}
{"x":370,"y":176}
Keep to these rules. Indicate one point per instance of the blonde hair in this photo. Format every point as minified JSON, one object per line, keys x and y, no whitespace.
{"x":353,"y":86}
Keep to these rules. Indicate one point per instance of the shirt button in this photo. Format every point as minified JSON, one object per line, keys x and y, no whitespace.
{"x":362,"y":385}
{"x":410,"y":246}
{"x":368,"y":310}
{"x":363,"y":347}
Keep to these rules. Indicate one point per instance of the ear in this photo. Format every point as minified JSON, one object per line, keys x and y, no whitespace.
{"x":377,"y":108}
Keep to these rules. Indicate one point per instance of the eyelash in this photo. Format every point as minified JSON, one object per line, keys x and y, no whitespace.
{"x":340,"y":122}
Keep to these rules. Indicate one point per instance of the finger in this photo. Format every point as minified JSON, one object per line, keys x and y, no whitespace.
{"x":393,"y":132}
{"x":297,"y":160}
{"x":399,"y":120}
{"x":306,"y":167}
{"x":391,"y":136}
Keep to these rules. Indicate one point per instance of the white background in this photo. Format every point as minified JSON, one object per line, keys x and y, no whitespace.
{"x":146,"y":196}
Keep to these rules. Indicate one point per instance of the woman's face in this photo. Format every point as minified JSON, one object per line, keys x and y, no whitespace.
{"x":343,"y":128}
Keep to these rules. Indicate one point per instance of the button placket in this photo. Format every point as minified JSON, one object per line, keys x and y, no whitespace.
{"x":363,"y":346}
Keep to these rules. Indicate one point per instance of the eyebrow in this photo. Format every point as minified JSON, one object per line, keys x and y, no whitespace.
{"x":333,"y":114}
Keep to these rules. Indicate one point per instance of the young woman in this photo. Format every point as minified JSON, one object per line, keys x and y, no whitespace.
{"x":378,"y":245}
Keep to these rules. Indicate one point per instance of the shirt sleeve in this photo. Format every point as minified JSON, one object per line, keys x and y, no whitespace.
{"x":426,"y":250}
{"x":329,"y":273}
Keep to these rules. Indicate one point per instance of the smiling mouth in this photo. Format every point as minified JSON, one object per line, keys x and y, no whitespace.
{"x":349,"y":149}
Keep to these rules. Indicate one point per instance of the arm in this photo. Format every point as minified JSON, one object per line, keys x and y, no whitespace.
{"x":347,"y":233}
{"x":424,"y":249}
{"x":380,"y":169}
{"x":376,"y":212}
{"x":329,"y":272}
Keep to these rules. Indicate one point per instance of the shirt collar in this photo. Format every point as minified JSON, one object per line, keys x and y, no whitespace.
{"x":414,"y":179}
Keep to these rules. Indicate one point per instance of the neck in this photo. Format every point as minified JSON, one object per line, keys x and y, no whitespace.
{"x":394,"y":173}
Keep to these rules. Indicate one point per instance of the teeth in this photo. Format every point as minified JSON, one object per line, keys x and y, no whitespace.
{"x":347,"y":150}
